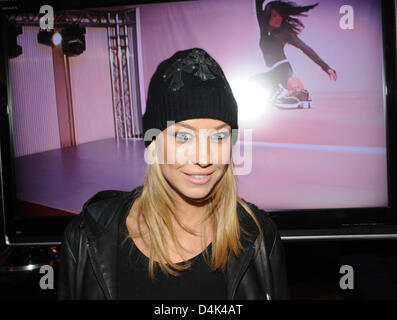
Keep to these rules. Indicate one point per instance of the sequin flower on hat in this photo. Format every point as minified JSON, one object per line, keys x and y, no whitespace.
{"x":197,"y":62}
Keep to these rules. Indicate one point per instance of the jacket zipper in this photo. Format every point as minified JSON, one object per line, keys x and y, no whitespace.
{"x":97,"y":272}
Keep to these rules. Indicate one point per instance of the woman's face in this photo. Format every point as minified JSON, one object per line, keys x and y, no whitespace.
{"x":193,"y":155}
{"x":275,"y":19}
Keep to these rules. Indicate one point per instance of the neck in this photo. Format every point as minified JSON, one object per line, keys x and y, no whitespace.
{"x":193,"y":216}
{"x":190,"y":211}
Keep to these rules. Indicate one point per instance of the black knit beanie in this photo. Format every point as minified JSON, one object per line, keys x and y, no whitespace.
{"x":189,"y":85}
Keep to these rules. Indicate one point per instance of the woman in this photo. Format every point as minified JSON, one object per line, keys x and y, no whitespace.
{"x":278,"y":26}
{"x":183,"y":234}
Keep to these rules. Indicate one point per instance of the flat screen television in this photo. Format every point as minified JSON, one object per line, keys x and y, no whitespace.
{"x":74,"y":79}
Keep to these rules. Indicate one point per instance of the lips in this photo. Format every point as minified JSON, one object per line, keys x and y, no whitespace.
{"x":198,"y":178}
{"x":198,"y":173}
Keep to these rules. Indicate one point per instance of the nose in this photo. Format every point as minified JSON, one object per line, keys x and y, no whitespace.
{"x":203,"y":153}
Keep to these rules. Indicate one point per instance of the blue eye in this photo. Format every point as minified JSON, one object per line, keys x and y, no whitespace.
{"x":182,"y":136}
{"x":220,"y":137}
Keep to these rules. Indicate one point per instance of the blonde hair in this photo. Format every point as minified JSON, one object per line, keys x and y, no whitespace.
{"x":155,"y":208}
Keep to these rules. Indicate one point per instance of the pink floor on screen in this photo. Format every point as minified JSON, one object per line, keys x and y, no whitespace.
{"x":282,"y":176}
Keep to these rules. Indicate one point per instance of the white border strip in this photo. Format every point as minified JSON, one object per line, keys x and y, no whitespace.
{"x":341,"y":237}
{"x":351,"y":149}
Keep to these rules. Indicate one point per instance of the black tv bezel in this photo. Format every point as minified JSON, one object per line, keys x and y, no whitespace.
{"x":313,"y":224}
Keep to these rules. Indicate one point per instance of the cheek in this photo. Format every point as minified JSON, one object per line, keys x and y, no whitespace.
{"x":182,"y":153}
{"x":170,"y":173}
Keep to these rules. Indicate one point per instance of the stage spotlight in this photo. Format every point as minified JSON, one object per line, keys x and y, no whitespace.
{"x":57,"y":38}
{"x":45,"y":37}
{"x":14,"y":50}
{"x":73,"y":42}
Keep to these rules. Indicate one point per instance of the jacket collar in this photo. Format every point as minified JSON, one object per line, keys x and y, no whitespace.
{"x":103,"y":214}
{"x":102,"y":217}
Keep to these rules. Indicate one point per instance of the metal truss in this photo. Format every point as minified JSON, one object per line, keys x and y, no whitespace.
{"x":126,"y":106}
{"x":85,"y":17}
{"x":119,"y":25}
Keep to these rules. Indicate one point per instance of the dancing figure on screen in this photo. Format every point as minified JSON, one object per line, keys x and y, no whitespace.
{"x":278,"y":26}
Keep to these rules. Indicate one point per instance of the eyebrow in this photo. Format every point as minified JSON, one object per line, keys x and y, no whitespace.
{"x":193,"y":128}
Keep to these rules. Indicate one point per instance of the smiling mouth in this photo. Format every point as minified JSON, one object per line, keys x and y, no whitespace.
{"x":198,"y":178}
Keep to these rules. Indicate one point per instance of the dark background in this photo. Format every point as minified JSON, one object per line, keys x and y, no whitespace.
{"x":312,"y":269}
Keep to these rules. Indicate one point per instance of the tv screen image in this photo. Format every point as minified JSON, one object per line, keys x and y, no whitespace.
{"x":313,"y":100}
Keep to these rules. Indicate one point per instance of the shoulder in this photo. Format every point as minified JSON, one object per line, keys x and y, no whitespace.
{"x":96,"y":206}
{"x":268,"y":227}
{"x":98,"y":211}
{"x":271,"y":239}
{"x":292,"y":38}
{"x":92,"y":210}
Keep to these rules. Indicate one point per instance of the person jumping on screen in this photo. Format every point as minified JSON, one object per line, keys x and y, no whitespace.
{"x":278,"y":26}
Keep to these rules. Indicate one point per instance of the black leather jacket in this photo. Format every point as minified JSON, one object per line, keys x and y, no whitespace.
{"x":89,"y":253}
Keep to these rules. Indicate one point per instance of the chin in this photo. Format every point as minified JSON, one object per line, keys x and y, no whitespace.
{"x":196,"y":192}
